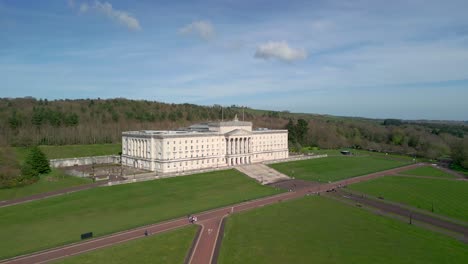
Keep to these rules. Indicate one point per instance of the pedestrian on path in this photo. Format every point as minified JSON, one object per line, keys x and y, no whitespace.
{"x":146,"y":232}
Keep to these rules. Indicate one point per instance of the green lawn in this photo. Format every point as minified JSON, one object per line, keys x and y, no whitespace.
{"x":336,"y":168}
{"x":53,"y":181}
{"x":56,"y":179}
{"x":58,"y":220}
{"x":169,"y":247}
{"x":428,"y":171}
{"x":320,"y":230}
{"x":357,"y":152}
{"x":73,"y":151}
{"x":450,"y":198}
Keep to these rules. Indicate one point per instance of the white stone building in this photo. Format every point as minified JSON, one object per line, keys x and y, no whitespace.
{"x":203,"y":146}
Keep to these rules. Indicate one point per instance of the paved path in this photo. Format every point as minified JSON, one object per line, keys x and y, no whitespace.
{"x":81,"y":247}
{"x":449,"y":171}
{"x":204,"y":247}
{"x":406,"y":212}
{"x":40,"y":196}
{"x":428,"y":177}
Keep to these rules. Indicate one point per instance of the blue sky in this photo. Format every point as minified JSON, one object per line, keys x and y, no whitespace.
{"x":401,"y":59}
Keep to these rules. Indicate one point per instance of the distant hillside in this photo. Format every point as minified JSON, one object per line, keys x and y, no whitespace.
{"x":27,"y":121}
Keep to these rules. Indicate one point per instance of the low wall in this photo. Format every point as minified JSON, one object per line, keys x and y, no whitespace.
{"x":298,"y":157}
{"x":153,"y":175}
{"x":59,"y":163}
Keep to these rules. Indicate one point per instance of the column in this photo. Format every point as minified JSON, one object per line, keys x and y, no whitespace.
{"x":246,"y":147}
{"x":235,"y":146}
{"x":130,"y":150}
{"x":241,"y":145}
{"x":226,"y":142}
{"x":139,"y":148}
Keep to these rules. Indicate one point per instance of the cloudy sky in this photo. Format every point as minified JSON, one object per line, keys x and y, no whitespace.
{"x":402,"y":59}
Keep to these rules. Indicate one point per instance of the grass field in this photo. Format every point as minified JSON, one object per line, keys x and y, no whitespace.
{"x":450,"y":198}
{"x":428,"y":171}
{"x":73,"y":151}
{"x":58,"y":220}
{"x":169,"y":247}
{"x":53,"y":181}
{"x":336,"y":168}
{"x":320,"y":230}
{"x":57,"y":179}
{"x":357,"y":152}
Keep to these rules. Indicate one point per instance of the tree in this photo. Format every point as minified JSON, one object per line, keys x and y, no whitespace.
{"x":15,"y":120}
{"x":301,"y":130}
{"x":291,"y":131}
{"x":392,"y":122}
{"x":36,"y":162}
{"x":459,"y":152}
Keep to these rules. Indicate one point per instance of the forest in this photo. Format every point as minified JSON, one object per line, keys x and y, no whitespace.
{"x":30,"y":121}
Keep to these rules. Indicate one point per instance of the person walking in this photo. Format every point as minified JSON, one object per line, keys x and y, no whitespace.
{"x":146,"y":232}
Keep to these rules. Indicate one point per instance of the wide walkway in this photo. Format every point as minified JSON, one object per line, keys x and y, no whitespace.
{"x":262,"y":173}
{"x":205,"y":245}
{"x":406,"y":212}
{"x":40,"y":196}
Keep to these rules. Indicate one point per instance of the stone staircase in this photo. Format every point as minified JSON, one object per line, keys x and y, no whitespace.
{"x":262,"y":173}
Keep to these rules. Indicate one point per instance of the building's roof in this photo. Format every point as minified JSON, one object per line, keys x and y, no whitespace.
{"x":202,"y":129}
{"x":230,"y":123}
{"x":237,"y":132}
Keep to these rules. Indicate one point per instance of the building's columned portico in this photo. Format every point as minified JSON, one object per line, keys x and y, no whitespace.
{"x":239,"y":147}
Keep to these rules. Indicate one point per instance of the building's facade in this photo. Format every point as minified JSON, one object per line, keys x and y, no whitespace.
{"x":203,"y":146}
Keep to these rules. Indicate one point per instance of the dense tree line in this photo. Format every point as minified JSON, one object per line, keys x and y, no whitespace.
{"x":28,"y":121}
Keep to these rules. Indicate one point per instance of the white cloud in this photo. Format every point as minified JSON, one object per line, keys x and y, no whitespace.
{"x":106,"y":8}
{"x":203,"y":29}
{"x":120,"y":16}
{"x":279,"y":50}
